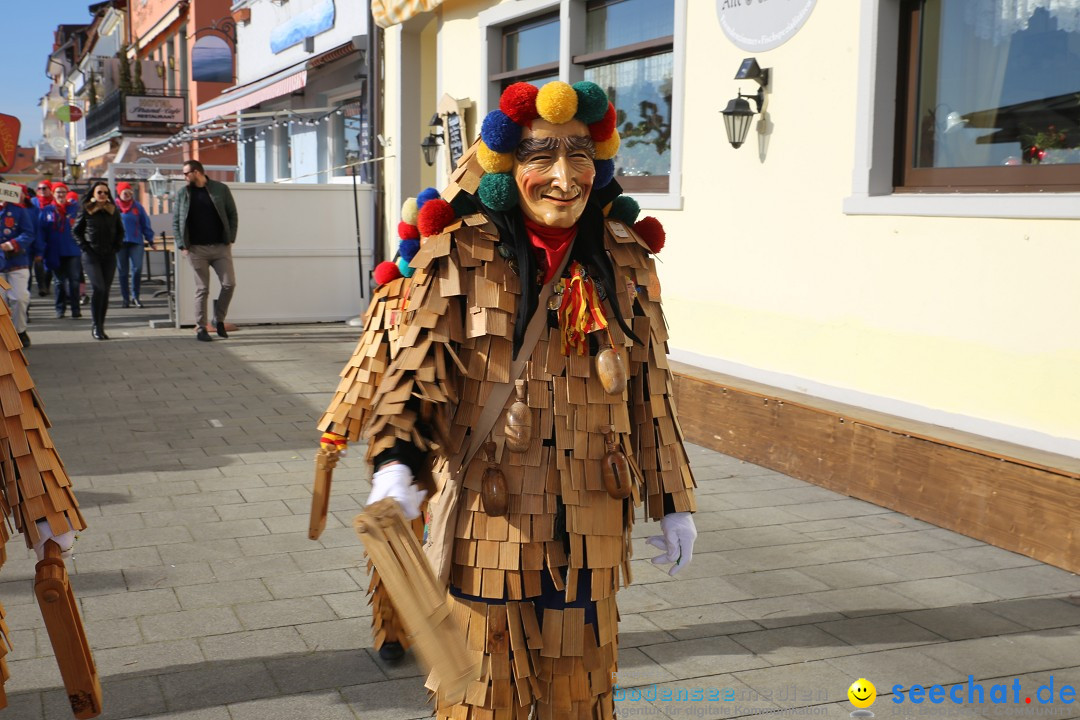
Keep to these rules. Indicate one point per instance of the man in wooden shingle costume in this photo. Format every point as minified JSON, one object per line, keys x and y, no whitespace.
{"x":513,"y":366}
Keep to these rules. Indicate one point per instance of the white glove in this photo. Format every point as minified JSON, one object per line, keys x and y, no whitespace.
{"x":396,"y":481}
{"x":65,"y":540}
{"x":677,"y":542}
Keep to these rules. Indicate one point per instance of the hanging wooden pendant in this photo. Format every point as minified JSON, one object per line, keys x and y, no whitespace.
{"x":518,"y":428}
{"x":612,"y":371}
{"x":493,"y":491}
{"x":615,"y":469}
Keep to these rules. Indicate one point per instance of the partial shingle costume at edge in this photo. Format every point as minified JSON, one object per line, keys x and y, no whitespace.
{"x":433,"y":346}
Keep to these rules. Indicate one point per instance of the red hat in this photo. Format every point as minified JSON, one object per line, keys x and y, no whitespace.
{"x":121,"y":187}
{"x":45,"y":183}
{"x":57,"y":185}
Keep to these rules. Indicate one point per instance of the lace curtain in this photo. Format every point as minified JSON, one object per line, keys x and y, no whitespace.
{"x":997,"y":20}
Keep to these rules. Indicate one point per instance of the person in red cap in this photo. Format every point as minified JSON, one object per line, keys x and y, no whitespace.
{"x":62,"y":255}
{"x":137,"y":231}
{"x":44,"y":194}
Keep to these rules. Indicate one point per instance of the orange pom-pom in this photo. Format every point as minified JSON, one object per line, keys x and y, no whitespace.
{"x":434,"y":216}
{"x":386,"y":272}
{"x":652,"y":232}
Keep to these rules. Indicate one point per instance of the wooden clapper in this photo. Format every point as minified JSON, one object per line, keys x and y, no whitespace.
{"x":64,"y":624}
{"x":418,"y":597}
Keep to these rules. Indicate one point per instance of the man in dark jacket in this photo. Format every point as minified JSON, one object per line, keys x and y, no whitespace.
{"x":204,"y":224}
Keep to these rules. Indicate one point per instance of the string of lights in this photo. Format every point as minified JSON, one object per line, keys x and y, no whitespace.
{"x":246,"y":129}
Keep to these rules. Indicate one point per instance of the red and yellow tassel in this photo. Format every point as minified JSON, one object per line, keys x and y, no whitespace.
{"x":580,"y":312}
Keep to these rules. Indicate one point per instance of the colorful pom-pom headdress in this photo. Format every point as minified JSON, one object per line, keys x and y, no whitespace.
{"x":500,"y":132}
{"x":558,"y":103}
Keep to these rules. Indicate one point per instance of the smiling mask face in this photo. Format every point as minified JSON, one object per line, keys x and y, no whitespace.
{"x":554,"y":172}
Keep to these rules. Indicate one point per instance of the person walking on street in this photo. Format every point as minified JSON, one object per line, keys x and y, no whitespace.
{"x":137,"y":230}
{"x":17,"y":239}
{"x":62,"y":254}
{"x":204,"y":224}
{"x":100,"y":234}
{"x":41,"y":198}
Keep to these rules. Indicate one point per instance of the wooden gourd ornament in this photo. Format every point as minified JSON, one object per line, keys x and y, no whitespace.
{"x":611,"y":370}
{"x":615,"y":469}
{"x":493,"y":492}
{"x":518,"y":428}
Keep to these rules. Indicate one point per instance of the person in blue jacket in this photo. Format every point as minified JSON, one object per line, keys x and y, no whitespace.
{"x":17,"y":239}
{"x":62,"y":254}
{"x":137,"y":230}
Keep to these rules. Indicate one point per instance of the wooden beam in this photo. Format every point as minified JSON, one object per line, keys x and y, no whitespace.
{"x":1010,"y":496}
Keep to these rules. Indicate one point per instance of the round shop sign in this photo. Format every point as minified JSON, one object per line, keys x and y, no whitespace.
{"x":69,"y":113}
{"x":758,"y":25}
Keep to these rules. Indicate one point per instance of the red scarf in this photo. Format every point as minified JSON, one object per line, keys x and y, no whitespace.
{"x":550,"y":245}
{"x":126,"y":206}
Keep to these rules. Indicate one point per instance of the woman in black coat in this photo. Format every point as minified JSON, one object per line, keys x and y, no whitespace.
{"x":99,"y":231}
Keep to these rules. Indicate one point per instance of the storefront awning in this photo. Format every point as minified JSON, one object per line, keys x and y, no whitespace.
{"x":392,"y":12}
{"x":282,"y":83}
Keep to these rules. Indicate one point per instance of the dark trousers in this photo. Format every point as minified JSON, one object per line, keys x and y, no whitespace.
{"x":130,"y":261}
{"x":66,"y":288}
{"x":100,"y":271}
{"x":41,"y":275}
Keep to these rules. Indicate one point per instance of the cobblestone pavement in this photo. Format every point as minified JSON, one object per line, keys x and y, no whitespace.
{"x":204,"y":599}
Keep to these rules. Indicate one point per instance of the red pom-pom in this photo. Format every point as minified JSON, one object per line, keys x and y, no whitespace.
{"x":519,"y":102}
{"x":601,"y":129}
{"x":434,"y":216}
{"x":652,"y":232}
{"x":405,"y":231}
{"x":386,"y":272}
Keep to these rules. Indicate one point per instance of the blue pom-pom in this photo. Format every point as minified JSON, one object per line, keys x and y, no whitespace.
{"x":605,"y":172}
{"x":408,"y":248}
{"x":403,"y":266}
{"x":499,"y":132}
{"x":498,"y":191}
{"x":425,"y":195}
{"x":624,"y":208}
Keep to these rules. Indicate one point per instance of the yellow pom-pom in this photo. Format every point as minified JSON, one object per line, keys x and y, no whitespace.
{"x":608,"y":148}
{"x":556,"y":102}
{"x":493,"y":162}
{"x":409,"y":211}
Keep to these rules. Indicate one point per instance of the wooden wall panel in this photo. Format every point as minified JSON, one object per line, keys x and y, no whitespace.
{"x":1016,"y":498}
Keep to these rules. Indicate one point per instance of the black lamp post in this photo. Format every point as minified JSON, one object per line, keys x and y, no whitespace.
{"x":431,"y":144}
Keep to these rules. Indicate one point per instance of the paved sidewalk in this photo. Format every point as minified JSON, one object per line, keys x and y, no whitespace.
{"x":204,"y":600}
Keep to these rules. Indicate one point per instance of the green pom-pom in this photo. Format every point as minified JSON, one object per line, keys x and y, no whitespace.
{"x":592,"y":102}
{"x":498,"y":191}
{"x":403,"y":266}
{"x":624,"y":208}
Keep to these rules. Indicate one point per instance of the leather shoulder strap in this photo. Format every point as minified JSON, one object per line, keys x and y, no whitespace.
{"x":493,"y":408}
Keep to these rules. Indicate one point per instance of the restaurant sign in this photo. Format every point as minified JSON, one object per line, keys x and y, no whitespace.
{"x":758,"y":25}
{"x":155,"y":109}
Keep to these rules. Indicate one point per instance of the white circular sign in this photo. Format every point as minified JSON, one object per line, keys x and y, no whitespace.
{"x":758,"y":25}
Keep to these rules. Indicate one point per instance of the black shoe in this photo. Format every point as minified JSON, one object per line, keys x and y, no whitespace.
{"x":137,"y":302}
{"x":220,"y":325}
{"x":25,"y":339}
{"x":76,"y":315}
{"x":98,"y":334}
{"x":42,"y":292}
{"x":125,"y":304}
{"x":391,"y":653}
{"x":84,"y":300}
{"x":202,"y":335}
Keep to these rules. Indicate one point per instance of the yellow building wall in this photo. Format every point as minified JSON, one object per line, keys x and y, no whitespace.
{"x":974,"y":321}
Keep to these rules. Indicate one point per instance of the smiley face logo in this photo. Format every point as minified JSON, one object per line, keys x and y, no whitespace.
{"x":862,"y":693}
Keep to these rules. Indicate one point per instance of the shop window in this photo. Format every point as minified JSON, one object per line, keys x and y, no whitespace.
{"x":629,"y":52}
{"x":530,"y":52}
{"x":989,"y":96}
{"x":353,"y":139}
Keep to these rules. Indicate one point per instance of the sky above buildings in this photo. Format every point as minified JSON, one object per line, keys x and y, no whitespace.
{"x":28,"y":39}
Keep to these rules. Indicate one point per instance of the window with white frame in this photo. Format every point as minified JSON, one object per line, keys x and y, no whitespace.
{"x":529,"y":52}
{"x":629,"y":52}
